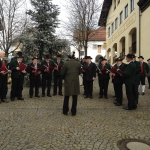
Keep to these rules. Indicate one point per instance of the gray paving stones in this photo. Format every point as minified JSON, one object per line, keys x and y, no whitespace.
{"x":38,"y":124}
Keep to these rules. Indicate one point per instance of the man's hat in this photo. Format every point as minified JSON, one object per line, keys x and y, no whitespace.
{"x":148,"y":59}
{"x":19,"y":53}
{"x":59,"y":55}
{"x":133,"y":56}
{"x":130,"y":56}
{"x":88,"y":57}
{"x":47,"y":56}
{"x":101,"y":57}
{"x":141,"y":57}
{"x":104,"y":59}
{"x":118,"y":59}
{"x":34,"y":58}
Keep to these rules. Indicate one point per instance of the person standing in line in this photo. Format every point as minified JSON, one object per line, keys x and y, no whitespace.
{"x":137,"y":79}
{"x":129,"y":80}
{"x":143,"y":71}
{"x":118,"y":81}
{"x":103,"y":78}
{"x":3,"y":78}
{"x":46,"y":68}
{"x":148,"y":74}
{"x":17,"y":76}
{"x":58,"y":63}
{"x":34,"y":70}
{"x":89,"y":70}
{"x":70,"y":73}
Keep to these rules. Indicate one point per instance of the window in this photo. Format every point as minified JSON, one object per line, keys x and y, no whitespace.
{"x":109,"y":32}
{"x":126,"y":11}
{"x":112,"y":28}
{"x":121,"y":17}
{"x":95,"y":46}
{"x":114,"y":4}
{"x":118,"y":2}
{"x":132,"y":5}
{"x":116,"y":23}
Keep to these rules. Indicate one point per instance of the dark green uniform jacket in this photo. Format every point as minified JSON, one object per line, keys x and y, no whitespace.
{"x":56,"y":72}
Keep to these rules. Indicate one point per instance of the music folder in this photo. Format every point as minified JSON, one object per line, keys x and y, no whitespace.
{"x":22,"y":66}
{"x":4,"y":69}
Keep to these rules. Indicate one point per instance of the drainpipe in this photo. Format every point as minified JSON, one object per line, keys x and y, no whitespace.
{"x":139,"y":33}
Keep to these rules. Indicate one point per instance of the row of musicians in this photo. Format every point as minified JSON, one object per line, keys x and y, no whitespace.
{"x":34,"y":69}
{"x":130,"y":74}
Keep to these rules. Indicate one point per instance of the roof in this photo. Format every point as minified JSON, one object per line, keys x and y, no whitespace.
{"x":143,"y":4}
{"x":98,"y":35}
{"x":104,"y":13}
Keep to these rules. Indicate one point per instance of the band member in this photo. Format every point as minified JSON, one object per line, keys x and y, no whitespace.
{"x":58,"y":63}
{"x":47,"y":68}
{"x":148,"y":74}
{"x":3,"y":78}
{"x":143,"y":71}
{"x":89,"y":70}
{"x":118,"y":81}
{"x":137,"y":79}
{"x":17,"y":76}
{"x":129,"y":80}
{"x":34,"y":71}
{"x":70,"y":74}
{"x":103,"y":77}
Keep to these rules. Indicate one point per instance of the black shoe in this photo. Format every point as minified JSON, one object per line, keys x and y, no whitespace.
{"x":106,"y":97}
{"x":5,"y":101}
{"x":43,"y":95}
{"x":54,"y":94}
{"x":20,"y":98}
{"x":31,"y":96}
{"x":127,"y":108}
{"x":114,"y":96}
{"x":91,"y":97}
{"x":143,"y":93}
{"x":83,"y":93}
{"x":149,"y":87}
{"x":85,"y":96}
{"x":135,"y":107}
{"x":61,"y":94}
{"x":118,"y":104}
{"x":100,"y":96}
{"x":49,"y":95}
{"x":65,"y":114}
{"x":37,"y":96}
{"x":73,"y":114}
{"x":12,"y":99}
{"x":115,"y":102}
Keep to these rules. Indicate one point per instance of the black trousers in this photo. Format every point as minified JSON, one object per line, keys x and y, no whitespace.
{"x":114,"y":89}
{"x":142,"y":79}
{"x":88,"y":86}
{"x":84,"y":86}
{"x":118,"y":92}
{"x":34,"y":83}
{"x":130,"y":96}
{"x":57,"y":80}
{"x":3,"y":87}
{"x":148,"y":81}
{"x":66,"y":104}
{"x":103,"y":87}
{"x":16,"y":88}
{"x":46,"y":82}
{"x":136,"y":94}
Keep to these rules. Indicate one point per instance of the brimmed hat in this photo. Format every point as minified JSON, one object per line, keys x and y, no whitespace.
{"x":47,"y":56}
{"x":20,"y":55}
{"x":148,"y":59}
{"x":35,"y":58}
{"x":133,"y":56}
{"x":141,"y":57}
{"x":103,"y":59}
{"x":129,"y":56}
{"x":88,"y":57}
{"x":118,"y":59}
{"x":59,"y":55}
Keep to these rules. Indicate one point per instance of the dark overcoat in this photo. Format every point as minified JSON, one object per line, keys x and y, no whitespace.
{"x":70,"y":73}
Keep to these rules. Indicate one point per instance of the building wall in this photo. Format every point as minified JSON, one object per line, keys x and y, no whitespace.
{"x":124,"y":39}
{"x":145,"y":34}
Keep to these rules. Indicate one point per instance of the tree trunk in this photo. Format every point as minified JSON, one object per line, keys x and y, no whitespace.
{"x":85,"y":48}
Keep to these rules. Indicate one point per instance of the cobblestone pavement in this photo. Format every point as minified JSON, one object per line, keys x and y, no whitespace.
{"x":38,"y":124}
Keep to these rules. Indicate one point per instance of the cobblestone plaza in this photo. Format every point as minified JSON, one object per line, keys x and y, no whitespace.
{"x":38,"y":123}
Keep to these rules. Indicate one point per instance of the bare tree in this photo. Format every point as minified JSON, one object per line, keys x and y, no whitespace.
{"x":14,"y":21}
{"x":82,"y":21}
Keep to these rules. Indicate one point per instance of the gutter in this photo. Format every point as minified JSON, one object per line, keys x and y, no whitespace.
{"x":139,"y":33}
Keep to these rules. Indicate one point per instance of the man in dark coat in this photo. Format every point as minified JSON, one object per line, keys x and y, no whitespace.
{"x":70,"y":74}
{"x":58,"y":63}
{"x":103,"y":77}
{"x":17,"y":76}
{"x":148,"y":74}
{"x":34,"y":69}
{"x":118,"y":81}
{"x":3,"y":78}
{"x":47,"y":68}
{"x":129,"y":80}
{"x":89,"y":70}
{"x":143,"y":71}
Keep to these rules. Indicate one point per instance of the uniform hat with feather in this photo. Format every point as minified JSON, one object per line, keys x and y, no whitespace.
{"x":141,"y":57}
{"x":20,"y":55}
{"x":118,"y":59}
{"x":34,"y":58}
{"x":59,"y":55}
{"x":88,"y":57}
{"x":148,"y":59}
{"x":104,"y":59}
{"x":47,"y":56}
{"x":130,"y":56}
